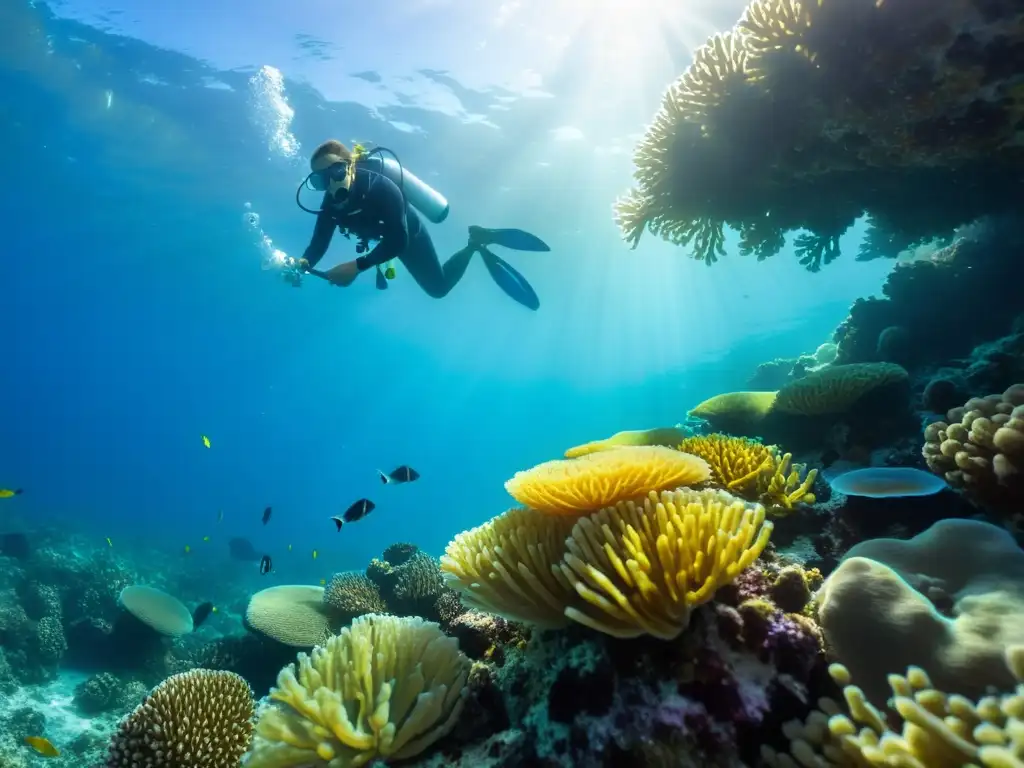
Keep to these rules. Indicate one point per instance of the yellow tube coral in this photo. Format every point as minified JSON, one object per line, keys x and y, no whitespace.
{"x":386,"y":687}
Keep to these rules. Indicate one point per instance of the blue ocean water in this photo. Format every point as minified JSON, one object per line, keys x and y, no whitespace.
{"x":135,"y":317}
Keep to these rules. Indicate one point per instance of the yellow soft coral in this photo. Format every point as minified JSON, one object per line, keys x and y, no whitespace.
{"x":754,"y":471}
{"x":642,"y":568}
{"x":666,"y":436}
{"x":386,"y":687}
{"x":981,"y":448}
{"x":837,"y":388}
{"x":586,"y":484}
{"x":939,"y":730}
{"x":506,"y":566}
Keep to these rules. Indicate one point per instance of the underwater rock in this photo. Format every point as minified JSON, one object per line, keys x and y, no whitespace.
{"x":947,"y":389}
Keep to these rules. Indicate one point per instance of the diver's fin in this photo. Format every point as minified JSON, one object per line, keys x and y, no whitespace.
{"x":382,"y":282}
{"x":509,"y":280}
{"x":516,"y":239}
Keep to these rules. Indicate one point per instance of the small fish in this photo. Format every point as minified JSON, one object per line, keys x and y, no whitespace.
{"x":315,"y":553}
{"x":289,"y":547}
{"x":323,"y":582}
{"x":357,"y":511}
{"x":109,"y":542}
{"x":187,"y":549}
{"x":6,"y":493}
{"x":220,"y":515}
{"x":265,"y":565}
{"x":402,"y":474}
{"x":214,"y":609}
{"x":206,"y":538}
{"x":42,"y":745}
{"x":266,"y":515}
{"x":202,"y":613}
{"x":206,"y":441}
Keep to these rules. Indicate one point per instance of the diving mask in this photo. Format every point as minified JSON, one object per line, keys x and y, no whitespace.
{"x":320,"y":181}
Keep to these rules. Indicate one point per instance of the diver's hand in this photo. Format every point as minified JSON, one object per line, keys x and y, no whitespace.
{"x":343,"y":274}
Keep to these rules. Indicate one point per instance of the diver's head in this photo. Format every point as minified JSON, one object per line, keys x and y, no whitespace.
{"x":330,"y":166}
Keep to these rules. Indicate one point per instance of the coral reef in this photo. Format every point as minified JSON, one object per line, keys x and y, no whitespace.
{"x":908,"y":113}
{"x":384,"y":687}
{"x":604,"y":478}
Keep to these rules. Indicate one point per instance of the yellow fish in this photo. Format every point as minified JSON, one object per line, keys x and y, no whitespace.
{"x":42,"y":746}
{"x":6,"y":493}
{"x":289,"y":547}
{"x":109,"y":542}
{"x":206,"y":538}
{"x":206,"y":441}
{"x":214,"y":609}
{"x":323,"y":582}
{"x":315,"y":553}
{"x":187,"y":549}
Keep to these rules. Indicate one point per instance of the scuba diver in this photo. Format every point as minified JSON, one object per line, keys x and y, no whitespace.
{"x":369,"y":195}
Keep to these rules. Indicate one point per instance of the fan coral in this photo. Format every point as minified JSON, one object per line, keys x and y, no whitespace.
{"x":351,"y":594}
{"x":295,"y":615}
{"x":201,"y":719}
{"x":837,"y":388}
{"x":165,"y":614}
{"x":981,"y":449}
{"x":505,"y":567}
{"x":641,"y":568}
{"x":666,"y":436}
{"x":577,"y":486}
{"x":738,"y":412}
{"x":754,"y":471}
{"x":386,"y":687}
{"x":940,"y":730}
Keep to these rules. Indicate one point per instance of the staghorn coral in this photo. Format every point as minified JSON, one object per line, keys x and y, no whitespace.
{"x":505,"y":566}
{"x":669,"y":437}
{"x":939,"y":730}
{"x":641,"y":569}
{"x":740,"y":412}
{"x":295,"y":615}
{"x":980,"y":450}
{"x":202,"y":719}
{"x":385,"y":687}
{"x":836,"y":389}
{"x":596,"y":480}
{"x":352,"y":594}
{"x":754,"y":471}
{"x":905,"y":111}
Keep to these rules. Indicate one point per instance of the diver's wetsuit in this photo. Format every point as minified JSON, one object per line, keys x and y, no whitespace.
{"x":375,"y":209}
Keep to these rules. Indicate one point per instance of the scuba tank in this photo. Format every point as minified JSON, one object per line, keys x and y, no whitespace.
{"x":420,"y":195}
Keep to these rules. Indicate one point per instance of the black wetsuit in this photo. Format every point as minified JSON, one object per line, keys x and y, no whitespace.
{"x":375,"y":209}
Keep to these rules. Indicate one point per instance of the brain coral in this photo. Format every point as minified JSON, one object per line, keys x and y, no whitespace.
{"x":632,"y":569}
{"x":351,"y":594}
{"x":165,"y":614}
{"x":385,"y":687}
{"x":981,"y":448}
{"x":940,"y":730}
{"x":295,"y":615}
{"x":596,"y":480}
{"x":836,"y":389}
{"x":951,"y":600}
{"x":754,"y":471}
{"x":200,"y":719}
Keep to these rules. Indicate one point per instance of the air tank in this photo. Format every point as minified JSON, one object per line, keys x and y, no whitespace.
{"x":420,"y":195}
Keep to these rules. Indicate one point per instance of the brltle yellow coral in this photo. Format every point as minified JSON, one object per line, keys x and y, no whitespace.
{"x":597,"y":480}
{"x":754,"y":471}
{"x":642,"y":567}
{"x":385,"y":687}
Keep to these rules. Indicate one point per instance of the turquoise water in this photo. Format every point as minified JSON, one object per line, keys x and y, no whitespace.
{"x":135,"y":316}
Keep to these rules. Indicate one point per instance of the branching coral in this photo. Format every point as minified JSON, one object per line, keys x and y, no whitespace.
{"x":385,"y":687}
{"x":939,"y":730}
{"x":981,"y":448}
{"x":632,"y":569}
{"x":201,"y":719}
{"x":754,"y":471}
{"x":596,"y":480}
{"x":900,"y":110}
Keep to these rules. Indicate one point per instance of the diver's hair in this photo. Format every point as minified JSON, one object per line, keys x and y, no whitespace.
{"x":330,"y":147}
